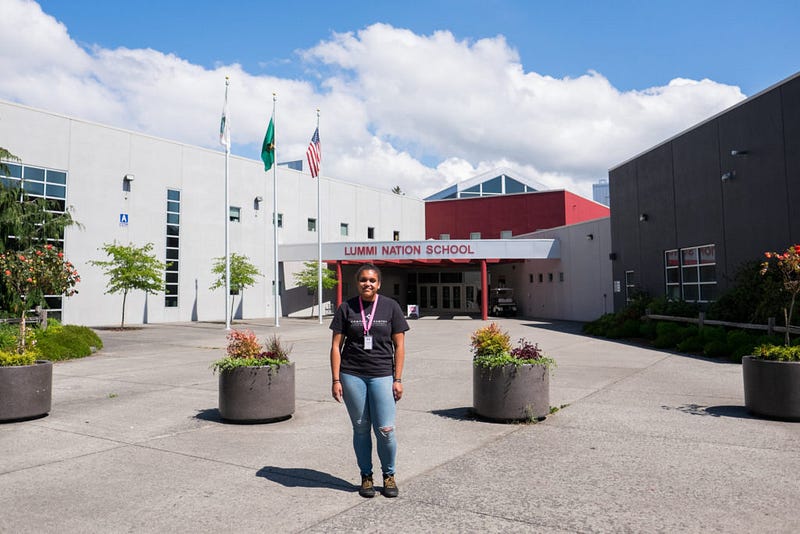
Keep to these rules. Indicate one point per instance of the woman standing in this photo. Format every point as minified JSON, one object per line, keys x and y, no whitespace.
{"x":367,"y":355}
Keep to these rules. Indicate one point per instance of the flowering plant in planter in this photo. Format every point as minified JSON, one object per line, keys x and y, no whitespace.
{"x":244,"y":350}
{"x":788,"y":264}
{"x":27,"y":277}
{"x":491,"y":347}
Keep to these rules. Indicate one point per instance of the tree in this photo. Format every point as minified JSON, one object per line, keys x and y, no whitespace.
{"x":309,"y":278}
{"x":29,"y":275}
{"x":8,"y":156}
{"x":26,"y":221}
{"x":788,"y":264}
{"x":243,"y":274}
{"x":131,"y":268}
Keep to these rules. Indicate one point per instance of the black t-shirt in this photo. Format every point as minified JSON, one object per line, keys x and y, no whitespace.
{"x":389,"y":319}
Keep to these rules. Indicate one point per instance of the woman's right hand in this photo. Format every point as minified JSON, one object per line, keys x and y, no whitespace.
{"x":336,"y":391}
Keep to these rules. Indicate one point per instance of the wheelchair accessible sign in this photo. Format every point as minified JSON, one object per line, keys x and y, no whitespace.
{"x":123,"y":219}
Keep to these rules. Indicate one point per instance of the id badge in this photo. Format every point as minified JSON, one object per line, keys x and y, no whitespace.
{"x":367,"y":342}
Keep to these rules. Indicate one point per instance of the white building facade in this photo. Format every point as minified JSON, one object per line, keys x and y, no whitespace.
{"x":131,"y":188}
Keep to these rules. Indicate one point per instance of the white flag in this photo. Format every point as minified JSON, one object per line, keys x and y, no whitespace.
{"x":224,"y":130}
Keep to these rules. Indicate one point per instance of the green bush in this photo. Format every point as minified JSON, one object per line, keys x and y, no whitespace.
{"x":647,"y":329}
{"x":669,"y":334}
{"x":8,"y":336}
{"x":780,"y":353}
{"x":12,"y":358}
{"x":675,"y":308}
{"x":693,"y":344}
{"x":64,"y":342}
{"x":716,"y":349}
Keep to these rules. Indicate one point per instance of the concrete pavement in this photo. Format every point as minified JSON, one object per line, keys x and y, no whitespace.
{"x":646,"y":441}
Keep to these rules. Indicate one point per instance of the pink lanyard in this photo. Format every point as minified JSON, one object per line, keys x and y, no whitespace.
{"x":368,"y":326}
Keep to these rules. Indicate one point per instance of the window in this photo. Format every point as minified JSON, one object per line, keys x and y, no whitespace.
{"x":312,"y":225}
{"x":630,"y":285}
{"x":505,"y":234}
{"x":444,"y":237}
{"x":172,"y":252}
{"x":370,"y":232}
{"x":235,"y":214}
{"x":344,"y":229}
{"x":549,"y":277}
{"x":474,"y":235}
{"x":280,"y":219}
{"x":541,"y":278}
{"x":530,"y":278}
{"x":691,"y":273}
{"x":560,"y":277}
{"x":396,"y":235}
{"x":50,"y":185}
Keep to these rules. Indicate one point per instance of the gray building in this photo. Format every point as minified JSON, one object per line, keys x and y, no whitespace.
{"x":689,"y":212}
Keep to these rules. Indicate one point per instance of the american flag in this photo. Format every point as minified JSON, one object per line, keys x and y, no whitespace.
{"x":314,"y":154}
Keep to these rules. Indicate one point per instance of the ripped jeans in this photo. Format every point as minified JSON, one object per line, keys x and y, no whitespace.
{"x":370,"y":404}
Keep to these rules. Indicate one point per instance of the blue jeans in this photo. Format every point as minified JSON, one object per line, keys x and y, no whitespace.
{"x":371,"y":405}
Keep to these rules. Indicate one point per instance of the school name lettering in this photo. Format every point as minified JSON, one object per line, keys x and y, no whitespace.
{"x":408,"y":250}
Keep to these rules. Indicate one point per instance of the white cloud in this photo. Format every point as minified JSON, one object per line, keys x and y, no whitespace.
{"x":397,"y":108}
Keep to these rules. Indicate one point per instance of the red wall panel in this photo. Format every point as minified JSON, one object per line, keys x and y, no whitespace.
{"x":521,"y":213}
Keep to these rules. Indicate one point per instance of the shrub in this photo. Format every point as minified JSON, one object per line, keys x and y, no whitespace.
{"x":668,"y":335}
{"x":489,"y":341}
{"x":491,"y":347}
{"x":692,"y":344}
{"x":244,"y":350}
{"x":14,"y":358}
{"x":716,"y":349}
{"x":64,"y":342}
{"x":780,"y":353}
{"x":675,"y":308}
{"x":647,"y":329}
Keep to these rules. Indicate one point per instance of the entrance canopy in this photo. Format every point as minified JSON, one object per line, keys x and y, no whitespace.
{"x":481,"y":251}
{"x":436,"y":250}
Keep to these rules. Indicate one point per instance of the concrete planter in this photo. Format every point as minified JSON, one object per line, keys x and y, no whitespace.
{"x":511,"y":393}
{"x":771,"y":388}
{"x":257,"y":394}
{"x":26,"y":391}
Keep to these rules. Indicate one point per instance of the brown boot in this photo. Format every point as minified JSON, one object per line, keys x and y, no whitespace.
{"x":389,"y":486}
{"x":367,"y":489}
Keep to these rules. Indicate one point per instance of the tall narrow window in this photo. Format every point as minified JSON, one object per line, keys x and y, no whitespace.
{"x":396,"y":235}
{"x":344,"y":229}
{"x":312,"y":225}
{"x":235,"y":213}
{"x":370,"y":232}
{"x":172,"y":248}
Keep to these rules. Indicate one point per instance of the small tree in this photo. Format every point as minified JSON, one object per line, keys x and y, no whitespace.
{"x":788,"y":264}
{"x":309,"y":278}
{"x":131,"y":268}
{"x":30,"y":275}
{"x":243,"y":274}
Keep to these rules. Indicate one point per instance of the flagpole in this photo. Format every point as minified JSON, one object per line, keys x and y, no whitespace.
{"x":227,"y":212}
{"x":319,"y":237}
{"x":275,"y":212}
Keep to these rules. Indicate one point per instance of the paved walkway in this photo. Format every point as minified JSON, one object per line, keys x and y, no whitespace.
{"x":646,"y":441}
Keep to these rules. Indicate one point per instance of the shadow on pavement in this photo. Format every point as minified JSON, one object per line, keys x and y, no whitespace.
{"x":461,"y":414}
{"x":739,"y":412}
{"x":300,"y":477}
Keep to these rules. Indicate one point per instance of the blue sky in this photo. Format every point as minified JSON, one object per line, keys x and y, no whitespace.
{"x":419,"y":94}
{"x":635,"y":44}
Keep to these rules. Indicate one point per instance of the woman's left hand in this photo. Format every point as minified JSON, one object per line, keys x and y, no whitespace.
{"x":397,"y":389}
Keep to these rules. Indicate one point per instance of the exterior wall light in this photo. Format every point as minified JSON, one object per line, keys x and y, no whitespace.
{"x":738,"y":152}
{"x":728,"y":176}
{"x":589,"y":236}
{"x":643,"y":217}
